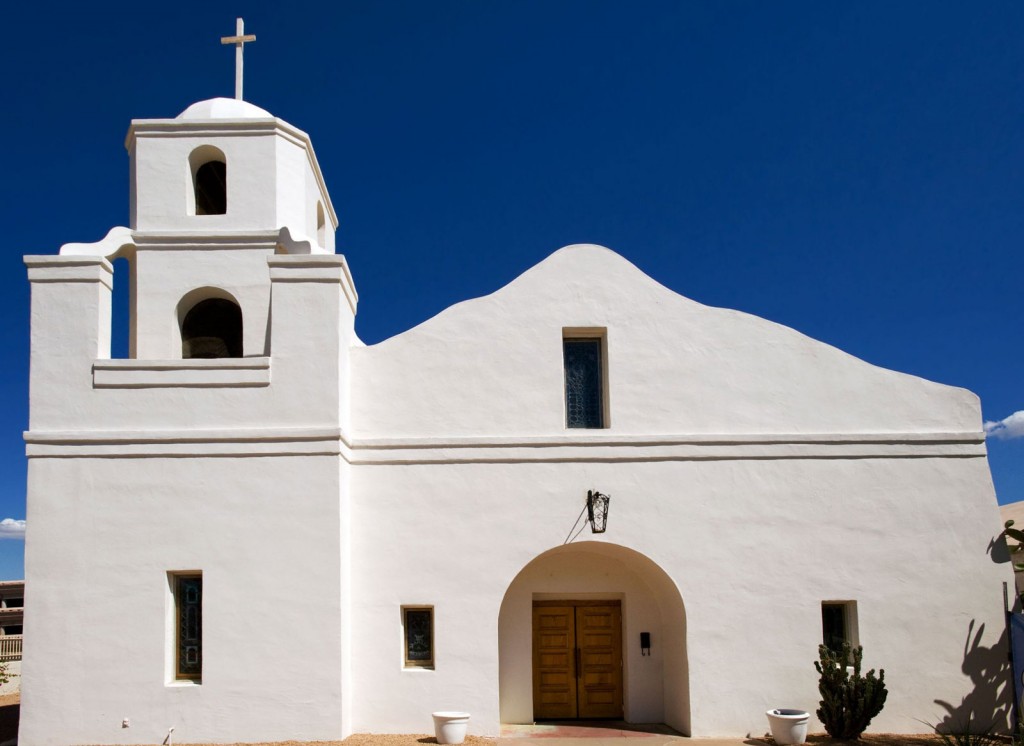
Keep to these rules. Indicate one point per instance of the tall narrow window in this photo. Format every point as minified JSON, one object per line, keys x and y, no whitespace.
{"x":583,"y":358}
{"x":188,"y":617}
{"x":418,"y":623}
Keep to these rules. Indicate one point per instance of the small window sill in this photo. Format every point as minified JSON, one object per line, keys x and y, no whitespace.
{"x":149,"y":374}
{"x":184,"y":683}
{"x":417,"y":668}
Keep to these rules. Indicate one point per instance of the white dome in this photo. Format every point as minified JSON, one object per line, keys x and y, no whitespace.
{"x":224,"y":108}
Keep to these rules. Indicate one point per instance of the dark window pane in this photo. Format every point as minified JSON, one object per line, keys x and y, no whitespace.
{"x":833,"y":626}
{"x":419,"y":636}
{"x":584,"y":402}
{"x":188,"y":598}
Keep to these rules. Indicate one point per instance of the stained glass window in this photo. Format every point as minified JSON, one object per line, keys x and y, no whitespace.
{"x":188,"y":602}
{"x":584,"y":397}
{"x":419,"y":637}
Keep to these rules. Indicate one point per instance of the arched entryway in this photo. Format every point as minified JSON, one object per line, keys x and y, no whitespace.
{"x":597,"y":578}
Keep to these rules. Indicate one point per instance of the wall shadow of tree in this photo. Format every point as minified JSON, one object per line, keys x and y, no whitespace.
{"x":988,"y":706}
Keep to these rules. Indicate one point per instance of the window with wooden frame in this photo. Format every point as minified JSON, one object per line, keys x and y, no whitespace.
{"x":418,"y":636}
{"x":188,"y":626}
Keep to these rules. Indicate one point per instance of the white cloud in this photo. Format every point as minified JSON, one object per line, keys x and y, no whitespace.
{"x":11,"y":528}
{"x":1011,"y":427}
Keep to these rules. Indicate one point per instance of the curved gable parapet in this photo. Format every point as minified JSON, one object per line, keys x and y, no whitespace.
{"x":493,"y":366}
{"x":118,"y":240}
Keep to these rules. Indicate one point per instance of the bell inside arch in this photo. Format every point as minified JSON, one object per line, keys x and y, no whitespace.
{"x":205,"y":347}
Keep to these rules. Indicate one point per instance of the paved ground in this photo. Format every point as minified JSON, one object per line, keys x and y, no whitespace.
{"x":574,"y":733}
{"x":577,"y":729}
{"x":605,"y":733}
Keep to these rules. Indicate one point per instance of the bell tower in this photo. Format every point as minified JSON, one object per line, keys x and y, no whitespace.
{"x":213,"y":191}
{"x":212,"y":458}
{"x":231,"y":254}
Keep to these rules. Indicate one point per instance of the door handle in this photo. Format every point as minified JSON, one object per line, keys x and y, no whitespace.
{"x":579,"y":662}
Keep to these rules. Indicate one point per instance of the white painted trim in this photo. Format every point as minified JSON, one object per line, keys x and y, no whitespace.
{"x":190,"y":239}
{"x":606,"y":438}
{"x":596,"y":452}
{"x":194,"y":373}
{"x":72,"y":268}
{"x":289,"y":441}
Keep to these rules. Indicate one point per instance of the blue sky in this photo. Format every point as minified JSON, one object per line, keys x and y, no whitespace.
{"x":852,"y":170}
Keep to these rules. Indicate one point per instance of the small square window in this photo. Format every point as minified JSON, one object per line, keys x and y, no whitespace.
{"x":583,"y":357}
{"x":188,"y":626}
{"x":418,"y":642}
{"x":839,"y":624}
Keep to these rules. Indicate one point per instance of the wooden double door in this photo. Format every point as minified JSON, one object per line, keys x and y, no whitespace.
{"x":577,"y":660}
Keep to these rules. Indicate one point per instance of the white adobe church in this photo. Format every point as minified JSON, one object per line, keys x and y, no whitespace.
{"x":768,"y":492}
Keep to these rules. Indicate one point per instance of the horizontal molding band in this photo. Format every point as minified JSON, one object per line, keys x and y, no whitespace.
{"x":64,"y":269}
{"x":265,"y":240}
{"x":192,"y":373}
{"x":331,"y":441}
{"x":606,"y":438}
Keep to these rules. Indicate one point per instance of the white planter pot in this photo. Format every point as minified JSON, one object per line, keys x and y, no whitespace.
{"x":788,"y":726}
{"x":450,"y":727}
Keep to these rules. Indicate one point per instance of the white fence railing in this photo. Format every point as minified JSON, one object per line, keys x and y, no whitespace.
{"x":10,"y":648}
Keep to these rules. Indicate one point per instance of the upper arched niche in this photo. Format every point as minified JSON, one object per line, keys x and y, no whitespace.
{"x":210,"y":320}
{"x":209,"y":192}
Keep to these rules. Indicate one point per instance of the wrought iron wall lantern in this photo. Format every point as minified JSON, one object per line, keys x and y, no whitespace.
{"x":597,"y":511}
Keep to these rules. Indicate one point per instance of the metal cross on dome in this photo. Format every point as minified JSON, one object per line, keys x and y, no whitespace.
{"x":239,"y":40}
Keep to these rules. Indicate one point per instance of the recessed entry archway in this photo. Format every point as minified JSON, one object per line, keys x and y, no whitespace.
{"x":591,"y":575}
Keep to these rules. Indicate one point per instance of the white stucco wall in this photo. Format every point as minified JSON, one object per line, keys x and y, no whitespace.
{"x":493,"y":366}
{"x":754,"y":546}
{"x":104,"y":535}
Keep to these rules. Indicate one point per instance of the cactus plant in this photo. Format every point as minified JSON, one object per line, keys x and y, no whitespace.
{"x":1016,"y":550}
{"x":848,"y":702}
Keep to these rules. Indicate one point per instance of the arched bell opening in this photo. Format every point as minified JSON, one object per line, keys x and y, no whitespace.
{"x":210,"y":328}
{"x":582,"y":606}
{"x":209,"y":182}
